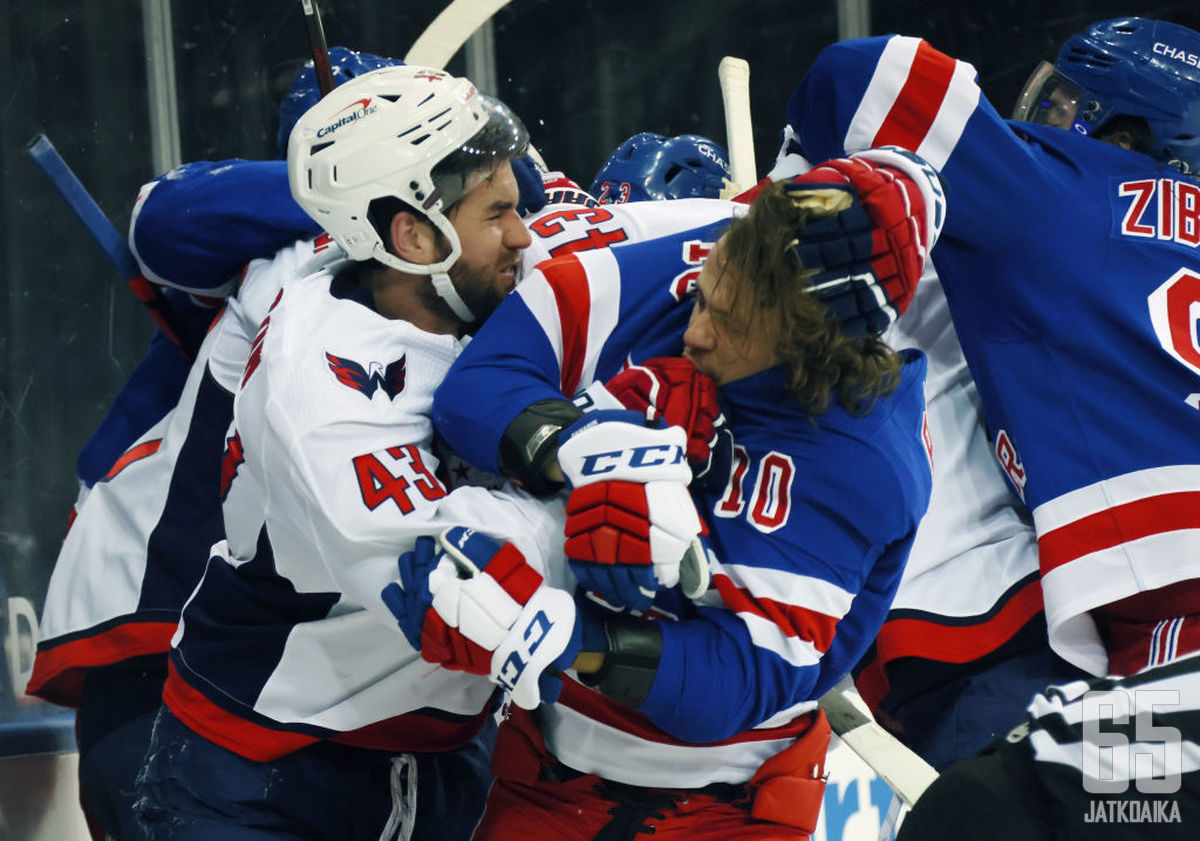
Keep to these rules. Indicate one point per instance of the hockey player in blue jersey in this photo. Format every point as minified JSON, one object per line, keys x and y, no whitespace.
{"x":1085,"y":356}
{"x":1097,"y":330}
{"x":805,"y":552}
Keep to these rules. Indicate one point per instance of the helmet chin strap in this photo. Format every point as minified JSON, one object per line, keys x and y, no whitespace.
{"x":445,"y":290}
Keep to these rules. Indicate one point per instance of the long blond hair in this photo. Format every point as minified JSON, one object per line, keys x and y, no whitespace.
{"x":822,"y":362}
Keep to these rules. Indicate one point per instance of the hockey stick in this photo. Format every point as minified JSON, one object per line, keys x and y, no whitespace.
{"x":450,"y":30}
{"x":72,"y":191}
{"x":907,"y":774}
{"x":734,"y":75}
{"x":316,"y":42}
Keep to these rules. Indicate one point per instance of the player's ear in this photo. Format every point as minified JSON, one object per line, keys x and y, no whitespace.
{"x":412,"y":238}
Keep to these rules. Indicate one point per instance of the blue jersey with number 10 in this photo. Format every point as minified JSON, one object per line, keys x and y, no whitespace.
{"x":811,"y":531}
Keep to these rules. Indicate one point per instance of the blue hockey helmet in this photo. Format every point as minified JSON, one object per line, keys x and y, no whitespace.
{"x":1125,"y":66}
{"x":305,"y":93}
{"x":650,"y":166}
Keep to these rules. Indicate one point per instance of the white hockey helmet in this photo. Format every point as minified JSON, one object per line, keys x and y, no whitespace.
{"x":417,"y":134}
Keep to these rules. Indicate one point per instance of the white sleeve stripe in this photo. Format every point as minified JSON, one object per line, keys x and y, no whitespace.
{"x":536,"y":293}
{"x":1088,"y":581}
{"x":959,"y":104}
{"x":603,"y":278}
{"x":889,"y":78}
{"x":1117,"y":490}
{"x":788,"y":588}
{"x":766,"y":634}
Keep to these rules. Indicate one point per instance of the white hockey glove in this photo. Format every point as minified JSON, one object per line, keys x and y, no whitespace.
{"x":630,"y":519}
{"x":485,"y":593}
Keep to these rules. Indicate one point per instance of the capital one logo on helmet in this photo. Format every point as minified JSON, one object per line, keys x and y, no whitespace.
{"x":362,"y":107}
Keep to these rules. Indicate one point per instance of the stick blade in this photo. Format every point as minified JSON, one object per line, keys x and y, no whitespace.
{"x":903,"y":770}
{"x":450,"y":30}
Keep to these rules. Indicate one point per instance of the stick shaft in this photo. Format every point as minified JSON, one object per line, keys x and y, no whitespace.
{"x":316,"y":43}
{"x":106,"y":235}
{"x":734,"y":76}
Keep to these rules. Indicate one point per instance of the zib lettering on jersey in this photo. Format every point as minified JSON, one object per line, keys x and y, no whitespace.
{"x":1162,"y":209}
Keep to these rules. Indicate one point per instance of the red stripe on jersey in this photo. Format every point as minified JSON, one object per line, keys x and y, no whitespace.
{"x":133,"y":454}
{"x":1119,"y":524}
{"x":59,"y":670}
{"x":224,"y":728}
{"x":408,"y":733}
{"x":811,"y":625}
{"x":217,"y":302}
{"x":946,"y":643}
{"x":568,"y":281}
{"x":918,"y":102}
{"x":593,"y":705}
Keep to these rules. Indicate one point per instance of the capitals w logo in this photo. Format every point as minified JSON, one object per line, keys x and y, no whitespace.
{"x":389,"y":379}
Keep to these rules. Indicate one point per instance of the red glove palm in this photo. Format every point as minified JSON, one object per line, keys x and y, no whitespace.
{"x":672,"y":388}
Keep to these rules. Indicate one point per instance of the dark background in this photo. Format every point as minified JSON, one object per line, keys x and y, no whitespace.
{"x":583,"y":74}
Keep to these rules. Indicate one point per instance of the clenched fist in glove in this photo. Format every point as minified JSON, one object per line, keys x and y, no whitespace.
{"x":674,"y":390}
{"x":477,"y":605}
{"x":630,"y":519}
{"x":868,"y":239}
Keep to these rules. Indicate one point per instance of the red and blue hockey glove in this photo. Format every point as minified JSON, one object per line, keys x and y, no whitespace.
{"x":411,"y":602}
{"x":867,"y":239}
{"x":487,"y":595}
{"x":630,"y":519}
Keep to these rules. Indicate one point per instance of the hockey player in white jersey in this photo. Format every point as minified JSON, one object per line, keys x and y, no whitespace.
{"x":291,"y":709}
{"x":150,"y":508}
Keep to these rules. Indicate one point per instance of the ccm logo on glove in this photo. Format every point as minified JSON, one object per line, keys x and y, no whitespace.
{"x":510,"y":671}
{"x":651,"y":455}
